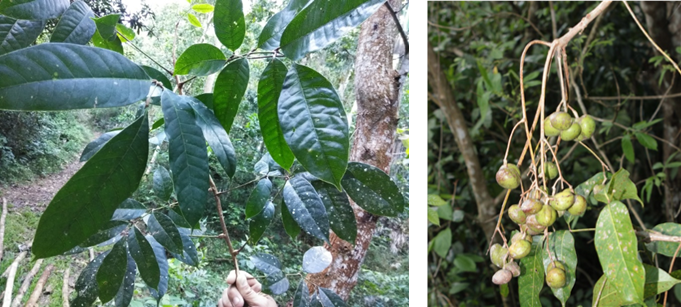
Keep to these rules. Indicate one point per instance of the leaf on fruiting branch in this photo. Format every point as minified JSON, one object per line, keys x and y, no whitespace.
{"x":605,"y":293}
{"x":531,"y":280}
{"x":621,"y":187}
{"x":628,"y":148}
{"x":562,"y":248}
{"x":646,"y":140}
{"x":657,"y":281}
{"x":665,"y":248}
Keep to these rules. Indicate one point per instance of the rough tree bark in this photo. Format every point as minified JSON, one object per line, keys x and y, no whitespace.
{"x":377,"y":93}
{"x":442,"y":92}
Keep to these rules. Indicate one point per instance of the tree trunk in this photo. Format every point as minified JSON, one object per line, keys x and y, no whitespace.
{"x":377,"y":88}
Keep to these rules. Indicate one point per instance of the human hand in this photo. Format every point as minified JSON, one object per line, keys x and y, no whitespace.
{"x":242,"y":290}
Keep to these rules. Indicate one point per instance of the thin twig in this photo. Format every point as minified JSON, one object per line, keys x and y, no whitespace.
{"x":218,"y":204}
{"x":671,"y":266}
{"x":399,"y":27}
{"x":2,"y":226}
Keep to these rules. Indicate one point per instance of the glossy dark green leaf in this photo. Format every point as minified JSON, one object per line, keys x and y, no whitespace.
{"x":266,"y":166}
{"x":75,"y":25}
{"x":621,"y":187}
{"x":106,"y":26}
{"x":87,"y":283}
{"x":373,"y":190}
{"x":127,"y":289}
{"x":86,"y":77}
{"x":531,"y":281}
{"x":188,"y":155}
{"x":162,"y":260}
{"x":266,"y":263}
{"x":302,"y":296}
{"x":18,"y":33}
{"x":112,"y":271}
{"x":665,"y":248}
{"x":33,"y":9}
{"x":228,"y":91}
{"x":96,"y":145}
{"x":628,"y":148}
{"x":259,"y":223}
{"x":269,"y":88}
{"x":314,"y":301}
{"x":108,"y":232}
{"x":280,"y":286}
{"x":562,"y":248}
{"x":206,"y":99}
{"x":341,"y":216}
{"x":230,"y":25}
{"x":646,"y":140}
{"x":200,"y":60}
{"x":258,"y":198}
{"x":311,"y":30}
{"x":316,"y":259}
{"x":216,"y":136}
{"x":271,"y":34}
{"x":143,"y":253}
{"x":162,"y":228}
{"x":330,"y":298}
{"x":657,"y":281}
{"x":616,"y":245}
{"x":88,"y":200}
{"x":157,"y":75}
{"x":315,"y":127}
{"x":128,"y":209}
{"x":189,"y":254}
{"x":290,"y":225}
{"x":163,"y":184}
{"x":175,"y":214}
{"x":306,"y":208}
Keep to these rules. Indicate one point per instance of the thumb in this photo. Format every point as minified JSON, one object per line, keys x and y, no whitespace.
{"x":253,"y":298}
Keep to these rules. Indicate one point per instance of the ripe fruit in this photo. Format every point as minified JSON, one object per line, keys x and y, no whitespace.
{"x":516,"y":214}
{"x":501,"y":277}
{"x":497,"y":253}
{"x":571,"y":133}
{"x":549,"y":130}
{"x":561,"y":121}
{"x":513,"y":267}
{"x":550,"y":170}
{"x":508,"y":178}
{"x":519,"y":249}
{"x":579,"y":206}
{"x":588,"y":126}
{"x":547,"y":216}
{"x":563,"y":200}
{"x":531,"y":206}
{"x":555,"y":278}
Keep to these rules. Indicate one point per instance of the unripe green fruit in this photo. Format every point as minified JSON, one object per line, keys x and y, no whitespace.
{"x":556,"y":264}
{"x":571,"y":133}
{"x":588,"y":126}
{"x":502,"y":277}
{"x":516,"y":214}
{"x":514,"y":168}
{"x":563,"y":200}
{"x":531,"y":206}
{"x":550,"y":170}
{"x":508,"y":178}
{"x":561,"y":121}
{"x":547,"y":216}
{"x":519,"y":236}
{"x":531,"y":231}
{"x":519,"y":249}
{"x":549,"y":130}
{"x":497,"y":253}
{"x":513,"y":268}
{"x":579,"y":206}
{"x":555,"y":278}
{"x":533,"y":224}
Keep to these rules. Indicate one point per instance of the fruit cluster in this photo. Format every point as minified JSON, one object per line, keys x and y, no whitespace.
{"x":561,"y":123}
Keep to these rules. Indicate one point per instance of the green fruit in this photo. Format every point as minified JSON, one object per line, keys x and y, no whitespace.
{"x":549,"y":130}
{"x":502,"y":277}
{"x":513,"y":268}
{"x":514,"y":168}
{"x":533,"y":224}
{"x":519,"y":236}
{"x":550,"y":170}
{"x":561,"y":121}
{"x":508,"y":178}
{"x":579,"y":206}
{"x":547,"y":216}
{"x":563,"y":200}
{"x":531,"y":206}
{"x":516,"y":214}
{"x":519,"y":249}
{"x":588,"y":126}
{"x":531,"y":231}
{"x":497,"y":253}
{"x":571,"y":133}
{"x":555,"y":278}
{"x":556,"y":264}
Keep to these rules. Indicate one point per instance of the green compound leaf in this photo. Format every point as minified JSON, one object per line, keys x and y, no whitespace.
{"x":230,"y":26}
{"x":290,"y":225}
{"x":628,"y":148}
{"x":162,"y":228}
{"x":271,"y":34}
{"x":311,"y":30}
{"x":657,"y":281}
{"x":75,"y":25}
{"x":140,"y":249}
{"x":315,"y":127}
{"x":163,"y":184}
{"x":127,"y":289}
{"x":85,"y":77}
{"x":665,"y":248}
{"x":111,"y":272}
{"x":259,"y":198}
{"x":341,"y":216}
{"x":562,"y":248}
{"x":616,"y":243}
{"x":215,"y":136}
{"x":94,"y":146}
{"x":306,"y":208}
{"x":88,"y":200}
{"x":259,"y":223}
{"x":16,"y":33}
{"x":158,"y":76}
{"x":269,"y":89}
{"x":33,"y":9}
{"x":373,"y":190}
{"x":200,"y":60}
{"x":87,"y":283}
{"x":188,"y":155}
{"x":531,"y":279}
{"x":228,"y":91}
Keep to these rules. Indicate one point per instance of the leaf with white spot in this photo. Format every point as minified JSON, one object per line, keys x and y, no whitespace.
{"x":316,"y":259}
{"x":306,"y":208}
{"x":665,"y":248}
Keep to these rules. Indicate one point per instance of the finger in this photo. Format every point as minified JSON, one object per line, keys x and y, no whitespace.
{"x":249,"y":294}
{"x":224,"y":300}
{"x":257,"y":287}
{"x":231,"y":278}
{"x":235,"y":298}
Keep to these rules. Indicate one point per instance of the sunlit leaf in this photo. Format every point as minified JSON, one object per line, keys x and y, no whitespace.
{"x":269,"y":87}
{"x":200,"y":60}
{"x":228,"y":91}
{"x":230,"y":26}
{"x":628,"y":148}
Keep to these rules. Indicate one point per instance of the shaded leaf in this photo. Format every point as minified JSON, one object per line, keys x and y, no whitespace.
{"x":112,"y":271}
{"x":271,"y":267}
{"x":33,"y":9}
{"x":162,"y":260}
{"x":157,"y":75}
{"x":259,"y":223}
{"x":200,"y":60}
{"x":189,"y":254}
{"x":162,"y":228}
{"x":96,"y":145}
{"x":228,"y":91}
{"x":128,"y":209}
{"x":17,"y":33}
{"x":271,"y":34}
{"x":306,"y":208}
{"x":316,"y":259}
{"x":531,"y":279}
{"x":341,"y":215}
{"x":230,"y":26}
{"x":621,"y":187}
{"x":111,"y":230}
{"x":605,"y":294}
{"x":657,"y":281}
{"x":442,"y":242}
{"x":646,"y":140}
{"x":314,"y":124}
{"x":301,"y":298}
{"x":162,"y":184}
{"x":436,"y":200}
{"x":269,"y":89}
{"x":88,"y":200}
{"x":127,"y":289}
{"x":330,"y":298}
{"x":216,"y":136}
{"x":143,"y":253}
{"x":113,"y":45}
{"x":87,"y":283}
{"x":373,"y":190}
{"x":280,"y":286}
{"x":433,"y":216}
{"x":562,"y":248}
{"x":106,"y":26}
{"x":258,"y":198}
{"x":628,"y":148}
{"x":665,"y":248}
{"x":206,"y":99}
{"x":290,"y":225}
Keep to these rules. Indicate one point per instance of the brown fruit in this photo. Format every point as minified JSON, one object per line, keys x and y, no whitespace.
{"x":531,"y":206}
{"x":561,"y":121}
{"x":502,"y":277}
{"x":513,"y":267}
{"x":519,"y":249}
{"x":555,"y":278}
{"x":508,"y":178}
{"x":547,"y":216}
{"x":516,"y":214}
{"x":579,"y":206}
{"x":563,"y":200}
{"x":497,"y":253}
